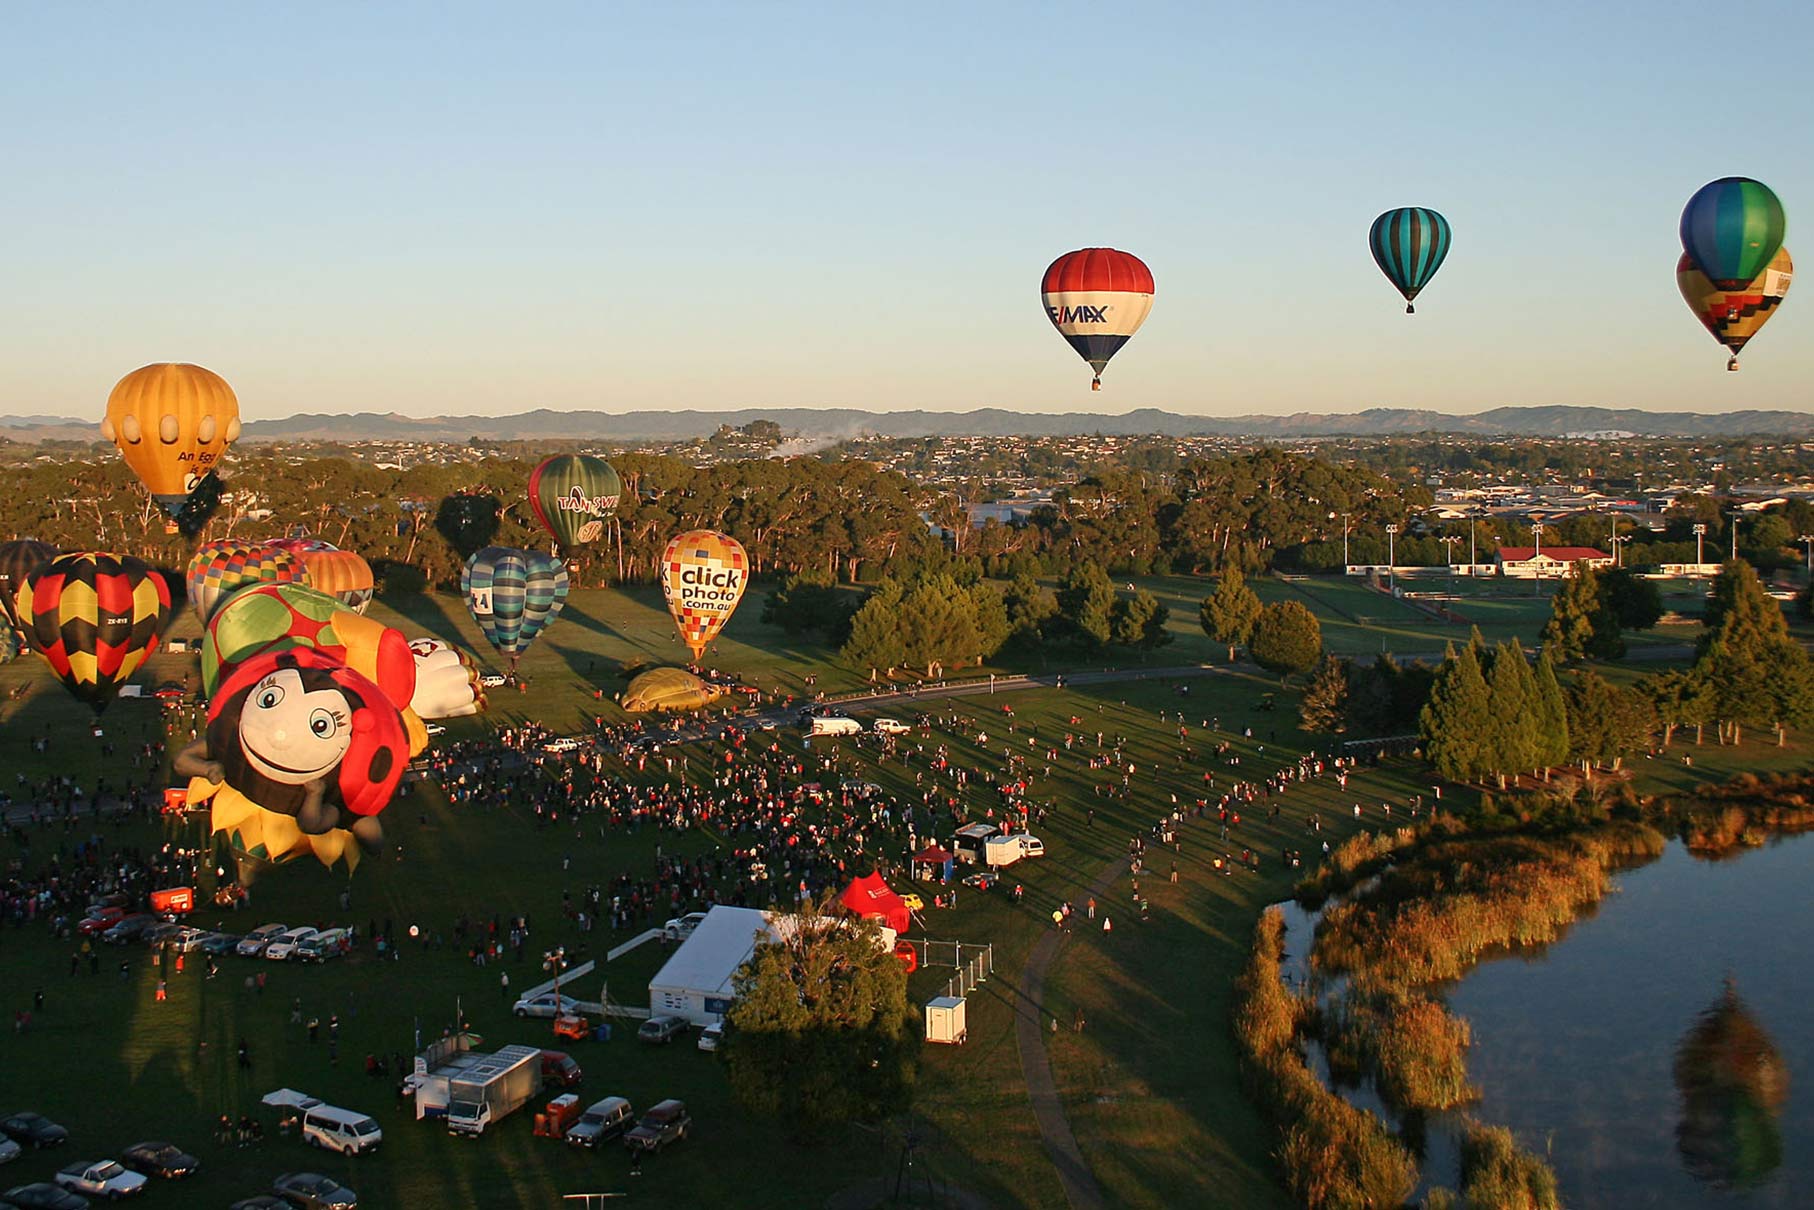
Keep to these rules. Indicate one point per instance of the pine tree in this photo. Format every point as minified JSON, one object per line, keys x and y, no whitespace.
{"x":1510,"y":741}
{"x":1287,"y":639}
{"x":1570,"y":629}
{"x":875,"y":639}
{"x":1324,"y":706}
{"x":1086,"y":600}
{"x":1229,"y":613}
{"x":1550,"y":709}
{"x":1457,"y":719}
{"x":1028,"y":606}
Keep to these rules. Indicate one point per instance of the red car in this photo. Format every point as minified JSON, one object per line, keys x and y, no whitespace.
{"x":100,"y":920}
{"x":558,"y":1067}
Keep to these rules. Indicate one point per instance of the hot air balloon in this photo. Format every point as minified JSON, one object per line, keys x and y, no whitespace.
{"x":447,"y":681}
{"x":1097,"y":298}
{"x":220,"y":568}
{"x":572,"y":494}
{"x":703,"y":575}
{"x":341,"y":574}
{"x":94,"y":617}
{"x":1732,"y":228}
{"x":1735,"y":316}
{"x":513,"y":595}
{"x":294,"y":738}
{"x":1409,"y":245}
{"x":172,"y":423}
{"x":17,"y":561}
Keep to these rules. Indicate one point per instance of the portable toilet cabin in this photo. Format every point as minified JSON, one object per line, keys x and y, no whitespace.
{"x":945,"y":1020}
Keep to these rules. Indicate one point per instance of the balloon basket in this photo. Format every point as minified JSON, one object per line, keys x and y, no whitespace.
{"x":1410,"y":310}
{"x":1732,"y":365}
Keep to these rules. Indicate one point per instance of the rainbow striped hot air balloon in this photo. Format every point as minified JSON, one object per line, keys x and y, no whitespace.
{"x":222,"y":567}
{"x":1097,"y":298}
{"x":94,"y":617}
{"x":1732,"y":228}
{"x":1409,"y":245}
{"x":703,"y":575}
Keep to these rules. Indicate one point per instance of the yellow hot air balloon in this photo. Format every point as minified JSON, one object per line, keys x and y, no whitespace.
{"x":703,"y":575}
{"x":172,"y":423}
{"x":1735,"y":316}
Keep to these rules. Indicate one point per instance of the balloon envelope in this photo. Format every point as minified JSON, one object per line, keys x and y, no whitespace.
{"x":447,"y":681}
{"x":703,"y":576}
{"x":513,"y":594}
{"x":1735,"y":316}
{"x":172,"y":422}
{"x":220,"y":568}
{"x":94,"y":617}
{"x":1097,"y":298}
{"x":341,"y":574}
{"x":572,"y":494}
{"x":1409,"y":245}
{"x":1732,"y":228}
{"x":18,"y":560}
{"x":268,"y":618}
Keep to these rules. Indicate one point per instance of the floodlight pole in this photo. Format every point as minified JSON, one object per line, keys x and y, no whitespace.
{"x":1807,"y":540}
{"x":1700,"y":538}
{"x":1392,"y":557}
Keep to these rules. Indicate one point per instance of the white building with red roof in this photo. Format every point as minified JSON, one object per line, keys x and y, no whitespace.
{"x":1530,"y":562}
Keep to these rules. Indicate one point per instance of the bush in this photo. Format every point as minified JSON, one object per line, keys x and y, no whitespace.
{"x":1496,"y":1173}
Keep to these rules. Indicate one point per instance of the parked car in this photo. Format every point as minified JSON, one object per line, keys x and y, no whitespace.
{"x":328,"y":943}
{"x":667,"y":1123}
{"x":164,"y":1160}
{"x":129,"y":928}
{"x":219,"y":943}
{"x":603,"y":1121}
{"x":99,"y":920}
{"x":313,"y":1191}
{"x":9,"y":1151}
{"x":891,"y":726}
{"x":558,"y":1067}
{"x":546,"y":1005}
{"x":254,"y":942}
{"x":164,"y":932}
{"x":659,"y":1031}
{"x":493,"y":680}
{"x":434,"y":729}
{"x":711,"y":1036}
{"x":284,"y":945}
{"x":681,"y":927}
{"x":42,"y":1195}
{"x":188,"y":939}
{"x":913,"y":902}
{"x":101,"y":1178}
{"x":561,"y":743}
{"x":982,"y":880}
{"x":33,"y":1130}
{"x":263,"y":1201}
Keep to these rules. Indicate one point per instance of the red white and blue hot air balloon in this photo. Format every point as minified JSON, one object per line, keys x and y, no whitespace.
{"x":1097,"y":298}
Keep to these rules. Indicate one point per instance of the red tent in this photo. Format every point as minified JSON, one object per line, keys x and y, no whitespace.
{"x":870,"y":896}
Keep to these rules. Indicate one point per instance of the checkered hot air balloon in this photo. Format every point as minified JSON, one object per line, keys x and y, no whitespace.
{"x":703,"y":575}
{"x":1735,"y":316}
{"x":220,"y":568}
{"x":1097,"y":298}
{"x":94,"y":617}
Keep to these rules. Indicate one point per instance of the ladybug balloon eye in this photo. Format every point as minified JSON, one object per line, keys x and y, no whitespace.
{"x":321,"y":722}
{"x":268,"y":697}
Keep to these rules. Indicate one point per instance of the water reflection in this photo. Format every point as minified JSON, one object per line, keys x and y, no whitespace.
{"x":1733,"y":1083}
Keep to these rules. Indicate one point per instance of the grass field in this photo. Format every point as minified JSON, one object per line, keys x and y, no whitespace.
{"x":1149,"y":1084}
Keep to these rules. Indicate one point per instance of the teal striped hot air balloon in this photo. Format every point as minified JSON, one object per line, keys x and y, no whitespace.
{"x":513,"y":595}
{"x":1732,"y":228}
{"x":1409,"y":245}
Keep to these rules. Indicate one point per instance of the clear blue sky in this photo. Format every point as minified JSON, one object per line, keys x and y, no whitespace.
{"x":434,"y":208}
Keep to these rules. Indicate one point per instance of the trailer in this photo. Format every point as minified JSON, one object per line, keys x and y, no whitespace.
{"x":967,"y":843}
{"x":1002,"y":850}
{"x":493,"y":1090}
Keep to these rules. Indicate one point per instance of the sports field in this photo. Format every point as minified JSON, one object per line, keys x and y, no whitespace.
{"x":1148,"y":1085}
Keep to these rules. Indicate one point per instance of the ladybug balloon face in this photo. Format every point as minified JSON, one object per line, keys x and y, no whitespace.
{"x":291,"y":734}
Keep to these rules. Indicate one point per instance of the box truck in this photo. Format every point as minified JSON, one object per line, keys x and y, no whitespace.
{"x":488,"y":1092}
{"x":1002,"y":850}
{"x":967,"y":843}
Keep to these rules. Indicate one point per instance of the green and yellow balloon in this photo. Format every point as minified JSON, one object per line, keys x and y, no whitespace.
{"x":572,"y":494}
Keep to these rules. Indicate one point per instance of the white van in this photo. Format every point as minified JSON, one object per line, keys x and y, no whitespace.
{"x":340,"y":1130}
{"x":836,"y":726}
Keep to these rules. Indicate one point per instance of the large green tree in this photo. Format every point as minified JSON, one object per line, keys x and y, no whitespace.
{"x":821,"y":1032}
{"x":1139,"y":620}
{"x":1458,"y":720}
{"x":1755,"y":672}
{"x":1512,"y":740}
{"x":1324,"y":706}
{"x":1229,"y":613}
{"x":1086,"y":601}
{"x":1287,"y":639}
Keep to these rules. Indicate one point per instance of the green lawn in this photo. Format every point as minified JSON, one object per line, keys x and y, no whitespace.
{"x":1149,"y":1084}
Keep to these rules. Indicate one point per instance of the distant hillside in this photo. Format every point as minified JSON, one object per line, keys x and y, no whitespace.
{"x":835,"y":423}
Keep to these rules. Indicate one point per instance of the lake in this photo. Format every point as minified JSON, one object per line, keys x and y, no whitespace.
{"x":1575,"y":1046}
